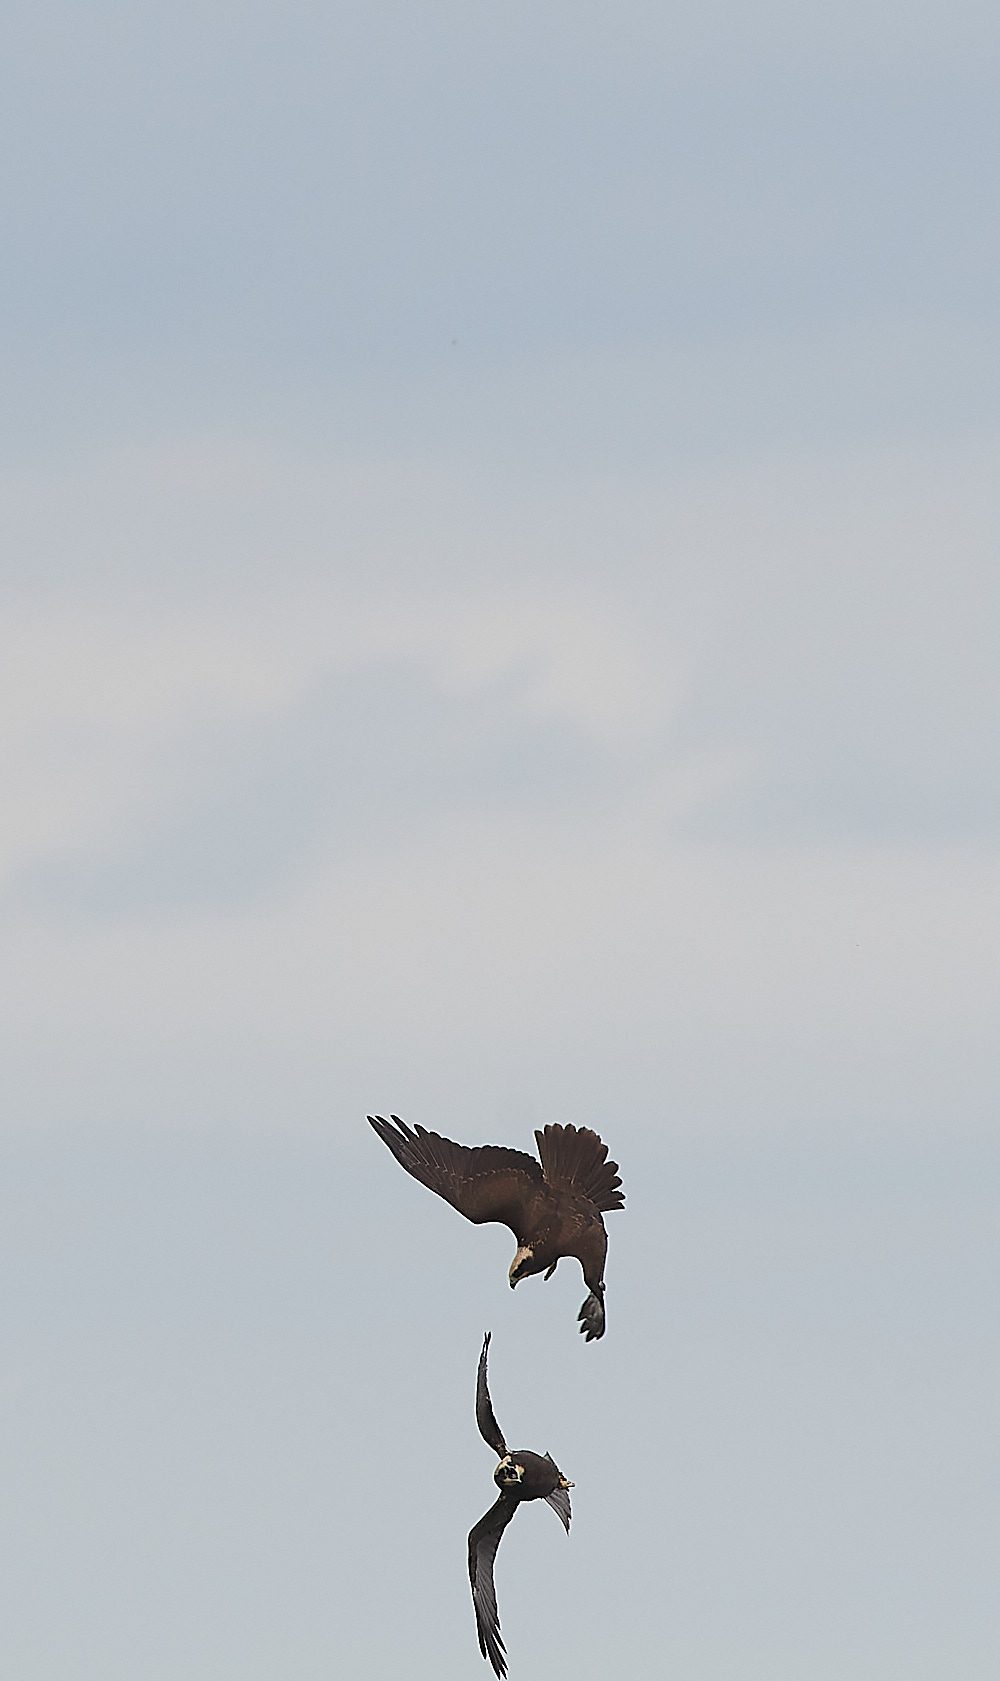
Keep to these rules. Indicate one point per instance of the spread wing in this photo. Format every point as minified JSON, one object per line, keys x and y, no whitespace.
{"x":488,"y":1183}
{"x":575,"y":1159}
{"x":484,"y":1540}
{"x":489,"y":1429}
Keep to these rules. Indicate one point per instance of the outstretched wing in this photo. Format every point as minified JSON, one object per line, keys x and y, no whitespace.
{"x":489,"y":1429}
{"x":483,"y":1543}
{"x":488,"y":1183}
{"x":574,"y":1159}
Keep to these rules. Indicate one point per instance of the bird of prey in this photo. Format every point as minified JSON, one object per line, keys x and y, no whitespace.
{"x":553,"y":1209}
{"x":519,"y":1476}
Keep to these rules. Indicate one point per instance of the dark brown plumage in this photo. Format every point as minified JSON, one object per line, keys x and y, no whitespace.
{"x":553,"y":1209}
{"x":519,"y":1476}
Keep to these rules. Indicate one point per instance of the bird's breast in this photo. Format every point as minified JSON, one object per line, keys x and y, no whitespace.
{"x":538,"y":1476}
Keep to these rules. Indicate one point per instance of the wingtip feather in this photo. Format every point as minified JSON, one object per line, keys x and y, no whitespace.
{"x":577,"y":1158}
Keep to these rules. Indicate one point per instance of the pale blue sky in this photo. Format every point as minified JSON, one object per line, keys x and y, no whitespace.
{"x":499,"y":580}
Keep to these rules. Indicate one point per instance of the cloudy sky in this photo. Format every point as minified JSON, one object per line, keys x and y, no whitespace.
{"x":500,"y":583}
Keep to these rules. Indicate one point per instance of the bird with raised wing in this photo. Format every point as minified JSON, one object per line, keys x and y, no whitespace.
{"x":519,"y":1476}
{"x":553,"y":1205}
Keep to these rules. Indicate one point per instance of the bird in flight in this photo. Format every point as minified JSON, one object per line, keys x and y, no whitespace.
{"x":553,"y":1207}
{"x":519,"y":1476}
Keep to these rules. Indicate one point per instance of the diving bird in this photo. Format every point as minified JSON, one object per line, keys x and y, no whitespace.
{"x":519,"y":1476}
{"x":553,"y":1209}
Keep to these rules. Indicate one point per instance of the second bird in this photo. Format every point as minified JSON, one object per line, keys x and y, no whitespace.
{"x":519,"y":1476}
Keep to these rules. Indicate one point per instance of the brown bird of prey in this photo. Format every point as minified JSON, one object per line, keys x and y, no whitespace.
{"x":553,"y":1209}
{"x":519,"y":1476}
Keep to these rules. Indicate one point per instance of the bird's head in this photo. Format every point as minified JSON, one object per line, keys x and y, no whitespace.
{"x":520,"y":1266}
{"x":508,"y":1474}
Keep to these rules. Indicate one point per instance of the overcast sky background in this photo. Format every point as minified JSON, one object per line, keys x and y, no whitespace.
{"x":500,"y":588}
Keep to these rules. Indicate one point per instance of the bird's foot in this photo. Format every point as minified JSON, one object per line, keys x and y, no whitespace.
{"x":591,"y":1316}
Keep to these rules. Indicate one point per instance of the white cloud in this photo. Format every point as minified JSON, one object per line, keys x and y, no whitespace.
{"x":620,"y":762}
{"x":745,"y":992}
{"x":809,"y":643}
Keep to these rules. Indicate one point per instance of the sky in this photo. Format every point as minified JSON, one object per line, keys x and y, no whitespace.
{"x":499,"y":593}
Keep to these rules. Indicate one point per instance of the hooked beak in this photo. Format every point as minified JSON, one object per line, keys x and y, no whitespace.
{"x":524,"y":1254}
